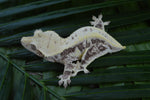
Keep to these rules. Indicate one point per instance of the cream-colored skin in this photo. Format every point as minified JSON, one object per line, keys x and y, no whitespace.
{"x":54,"y":48}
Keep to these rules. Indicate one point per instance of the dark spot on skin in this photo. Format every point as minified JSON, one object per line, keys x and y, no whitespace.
{"x":63,"y":57}
{"x":97,"y":41}
{"x":102,"y":41}
{"x":91,"y":29}
{"x":69,"y":50}
{"x":72,"y":37}
{"x":33,"y":47}
{"x":87,"y":44}
{"x":48,"y":45}
{"x":87,"y":56}
{"x":75,"y":62}
{"x":85,"y":30}
{"x":99,"y":26}
{"x":81,"y":67}
{"x":90,"y":50}
{"x":50,"y":58}
{"x":83,"y":62}
{"x":101,"y":48}
{"x":66,"y":74}
{"x":56,"y":56}
{"x":39,"y":53}
{"x":39,"y":35}
{"x":75,"y":35}
{"x":54,"y":59}
{"x":94,"y":41}
{"x":80,"y":46}
{"x":69,"y":66}
{"x":89,"y":53}
{"x":66,"y":52}
{"x":110,"y":46}
{"x":66,"y":42}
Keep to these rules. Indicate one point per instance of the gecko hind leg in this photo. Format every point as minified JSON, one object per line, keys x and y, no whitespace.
{"x":83,"y":62}
{"x":91,"y":54}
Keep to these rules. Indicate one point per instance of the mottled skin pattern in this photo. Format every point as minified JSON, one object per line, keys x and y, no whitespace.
{"x":91,"y":49}
{"x":77,"y":57}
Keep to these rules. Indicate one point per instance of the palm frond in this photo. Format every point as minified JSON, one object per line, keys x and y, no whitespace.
{"x":123,"y":76}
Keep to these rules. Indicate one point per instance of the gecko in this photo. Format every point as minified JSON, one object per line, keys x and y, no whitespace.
{"x":76,"y":51}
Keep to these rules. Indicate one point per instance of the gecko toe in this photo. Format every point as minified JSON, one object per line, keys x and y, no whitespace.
{"x":69,"y":81}
{"x":86,"y":71}
{"x":60,"y":76}
{"x":60,"y":82}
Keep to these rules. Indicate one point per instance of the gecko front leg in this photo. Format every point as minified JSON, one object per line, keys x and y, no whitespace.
{"x":70,"y":70}
{"x":65,"y":77}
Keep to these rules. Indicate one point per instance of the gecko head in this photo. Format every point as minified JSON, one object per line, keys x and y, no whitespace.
{"x":28,"y":42}
{"x":31,"y":42}
{"x":43,"y":43}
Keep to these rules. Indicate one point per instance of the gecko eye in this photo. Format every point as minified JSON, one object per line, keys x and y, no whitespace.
{"x":33,"y":47}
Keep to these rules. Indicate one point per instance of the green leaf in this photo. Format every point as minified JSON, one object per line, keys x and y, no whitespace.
{"x":112,"y":93}
{"x":31,"y":77}
{"x":122,"y":58}
{"x":126,"y":37}
{"x":28,"y":7}
{"x":124,"y":75}
{"x":133,"y":36}
{"x":5,"y":83}
{"x":6,"y":27}
{"x":109,"y":76}
{"x":3,"y":1}
{"x":43,"y":67}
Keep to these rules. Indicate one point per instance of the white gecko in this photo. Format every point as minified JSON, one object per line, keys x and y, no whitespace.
{"x":77,"y":51}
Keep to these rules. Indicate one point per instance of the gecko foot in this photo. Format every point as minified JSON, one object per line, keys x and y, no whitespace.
{"x":65,"y":78}
{"x":97,"y":22}
{"x":86,"y":71}
{"x":65,"y":82}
